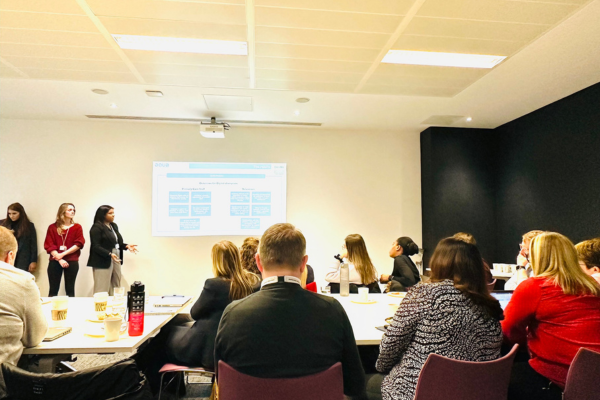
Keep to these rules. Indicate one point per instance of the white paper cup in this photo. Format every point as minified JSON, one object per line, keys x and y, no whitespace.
{"x":112,"y":329}
{"x":393,"y":308}
{"x":363,"y":294}
{"x":60,"y":306}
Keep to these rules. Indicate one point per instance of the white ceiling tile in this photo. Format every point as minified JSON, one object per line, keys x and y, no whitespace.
{"x":226,"y":14}
{"x":457,"y":45}
{"x":305,"y":86}
{"x":307,"y":76}
{"x":265,"y":34}
{"x":55,"y":22}
{"x":191,"y":70}
{"x":315,"y":52}
{"x":183,"y":29}
{"x":178,"y":80}
{"x":310,"y":65}
{"x":90,"y":76}
{"x":494,"y":10}
{"x":474,"y":29}
{"x":6,"y":72}
{"x":410,"y":90}
{"x":394,"y":7}
{"x":420,"y":81}
{"x":327,"y":20}
{"x":68,"y":64}
{"x":42,"y":51}
{"x":161,"y":57}
{"x":228,"y":103}
{"x":429,"y":71}
{"x":43,"y":6}
{"x":58,"y":38}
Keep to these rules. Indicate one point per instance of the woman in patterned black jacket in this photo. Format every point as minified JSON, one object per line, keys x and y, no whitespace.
{"x":453,"y":316}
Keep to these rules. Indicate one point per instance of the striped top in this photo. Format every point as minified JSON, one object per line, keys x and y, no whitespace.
{"x":434,"y":318}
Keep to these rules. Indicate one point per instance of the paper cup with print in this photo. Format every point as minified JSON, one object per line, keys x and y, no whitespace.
{"x":100,"y":303}
{"x":60,"y":306}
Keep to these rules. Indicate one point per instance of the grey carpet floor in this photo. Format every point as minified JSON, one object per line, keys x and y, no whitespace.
{"x":193,"y":390}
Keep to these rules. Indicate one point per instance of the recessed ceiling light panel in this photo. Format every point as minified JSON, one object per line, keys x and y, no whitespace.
{"x":181,"y":45}
{"x":441,"y":59}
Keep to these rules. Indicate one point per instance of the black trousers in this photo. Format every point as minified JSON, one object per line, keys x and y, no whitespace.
{"x":55,"y":272}
{"x":527,"y":384}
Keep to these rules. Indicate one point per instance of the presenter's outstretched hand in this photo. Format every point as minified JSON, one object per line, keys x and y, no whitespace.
{"x":132,"y":248}
{"x":115,"y":257}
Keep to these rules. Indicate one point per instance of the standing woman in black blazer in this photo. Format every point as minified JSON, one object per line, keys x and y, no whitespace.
{"x":17,"y":222}
{"x":106,"y":252}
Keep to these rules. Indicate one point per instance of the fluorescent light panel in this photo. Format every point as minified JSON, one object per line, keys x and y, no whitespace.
{"x":181,"y":45}
{"x":441,"y":59}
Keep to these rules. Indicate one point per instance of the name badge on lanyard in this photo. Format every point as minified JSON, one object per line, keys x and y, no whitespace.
{"x":62,"y":248}
{"x":117,"y":246}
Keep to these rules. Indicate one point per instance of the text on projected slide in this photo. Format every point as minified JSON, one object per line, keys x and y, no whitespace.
{"x":201,"y":199}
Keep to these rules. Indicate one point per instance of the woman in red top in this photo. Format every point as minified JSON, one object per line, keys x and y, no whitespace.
{"x":556,"y":312}
{"x":64,"y":241}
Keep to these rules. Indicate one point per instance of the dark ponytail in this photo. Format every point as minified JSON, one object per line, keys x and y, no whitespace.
{"x":409,"y":248}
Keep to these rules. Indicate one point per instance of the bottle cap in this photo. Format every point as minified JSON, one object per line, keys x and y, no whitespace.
{"x":137,"y":287}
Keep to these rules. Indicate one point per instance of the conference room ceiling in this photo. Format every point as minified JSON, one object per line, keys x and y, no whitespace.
{"x":309,"y":47}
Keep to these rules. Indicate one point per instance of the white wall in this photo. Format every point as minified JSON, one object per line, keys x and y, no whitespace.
{"x":339,"y":182}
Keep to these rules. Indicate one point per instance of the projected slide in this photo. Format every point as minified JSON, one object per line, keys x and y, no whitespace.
{"x":201,"y":199}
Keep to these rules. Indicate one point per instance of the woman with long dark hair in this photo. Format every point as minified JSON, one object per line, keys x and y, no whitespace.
{"x":106,"y":253}
{"x":24,"y":230}
{"x":444,"y":317}
{"x":64,"y":241}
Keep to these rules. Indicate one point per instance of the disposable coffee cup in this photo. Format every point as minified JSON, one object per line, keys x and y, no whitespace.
{"x":393,"y":308}
{"x":60,"y":306}
{"x":363,"y":294}
{"x":112,"y":328}
{"x":100,"y":303}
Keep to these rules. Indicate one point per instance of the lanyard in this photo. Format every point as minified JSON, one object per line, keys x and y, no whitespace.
{"x":275,"y":279}
{"x":64,"y":240}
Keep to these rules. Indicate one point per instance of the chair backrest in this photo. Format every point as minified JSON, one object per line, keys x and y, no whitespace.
{"x":121,"y":380}
{"x":582,"y":379}
{"x":325,"y":385}
{"x":449,"y":379}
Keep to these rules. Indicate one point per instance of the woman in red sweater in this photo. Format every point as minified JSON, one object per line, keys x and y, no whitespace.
{"x":555,"y":313}
{"x":64,"y":241}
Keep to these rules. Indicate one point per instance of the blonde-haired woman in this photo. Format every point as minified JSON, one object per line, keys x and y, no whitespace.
{"x":554,"y":313}
{"x":64,"y":241}
{"x":362,"y":272}
{"x":193,"y":343}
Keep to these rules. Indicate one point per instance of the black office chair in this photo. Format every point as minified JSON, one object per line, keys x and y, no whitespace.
{"x":121,"y":380}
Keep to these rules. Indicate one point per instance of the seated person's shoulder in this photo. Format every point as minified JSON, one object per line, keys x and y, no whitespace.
{"x":18,"y":276}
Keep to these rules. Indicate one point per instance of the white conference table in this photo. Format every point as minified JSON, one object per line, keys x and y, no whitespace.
{"x":78,"y":342}
{"x":364,"y":318}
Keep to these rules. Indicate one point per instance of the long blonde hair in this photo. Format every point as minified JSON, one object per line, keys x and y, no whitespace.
{"x":226,"y":264}
{"x":553,"y":256}
{"x":358,"y":255}
{"x":60,"y":217}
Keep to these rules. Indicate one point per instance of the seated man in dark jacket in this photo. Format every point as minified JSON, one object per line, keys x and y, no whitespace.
{"x":283,"y":331}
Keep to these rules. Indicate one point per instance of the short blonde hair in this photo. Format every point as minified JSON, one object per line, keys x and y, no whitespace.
{"x":282,"y":245}
{"x":553,"y":256}
{"x":528,"y":237}
{"x":588,"y":252}
{"x":8,"y":242}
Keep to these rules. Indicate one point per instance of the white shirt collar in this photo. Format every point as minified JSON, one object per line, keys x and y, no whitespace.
{"x":275,"y":279}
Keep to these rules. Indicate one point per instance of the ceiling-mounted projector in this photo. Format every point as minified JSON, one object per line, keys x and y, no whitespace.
{"x":213,"y":129}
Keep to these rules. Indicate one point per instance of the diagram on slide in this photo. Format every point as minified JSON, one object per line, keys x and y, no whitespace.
{"x":204,"y":199}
